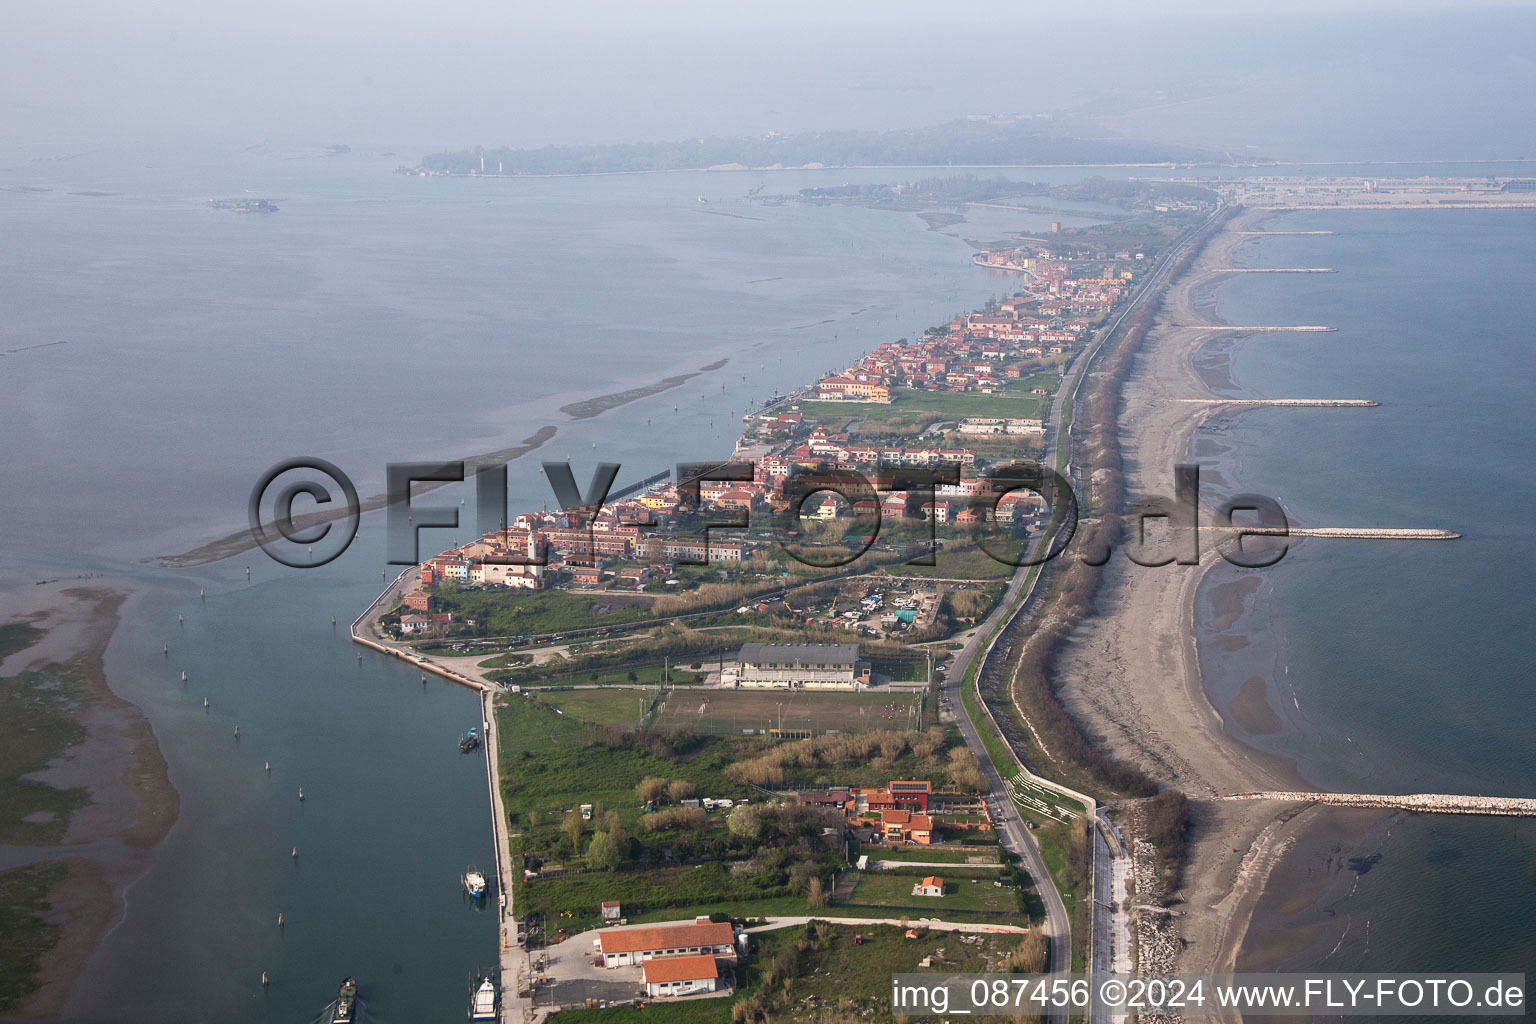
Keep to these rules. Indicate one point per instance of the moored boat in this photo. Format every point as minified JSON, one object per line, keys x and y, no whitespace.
{"x":484,"y":997}
{"x":469,"y":740}
{"x":474,"y":882}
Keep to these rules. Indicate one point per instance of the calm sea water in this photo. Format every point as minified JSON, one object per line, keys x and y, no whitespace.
{"x":381,"y":318}
{"x":375,"y":318}
{"x":1397,"y":666}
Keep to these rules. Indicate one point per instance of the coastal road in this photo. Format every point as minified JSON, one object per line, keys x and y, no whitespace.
{"x":1010,"y":826}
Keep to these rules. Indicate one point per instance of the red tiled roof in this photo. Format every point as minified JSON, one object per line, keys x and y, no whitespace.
{"x":677,"y":936}
{"x":678,"y":968}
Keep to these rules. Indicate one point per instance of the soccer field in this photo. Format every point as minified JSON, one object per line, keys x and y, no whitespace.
{"x":798,"y":712}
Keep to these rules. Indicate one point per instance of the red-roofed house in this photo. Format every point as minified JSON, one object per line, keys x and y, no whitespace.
{"x":680,"y":975}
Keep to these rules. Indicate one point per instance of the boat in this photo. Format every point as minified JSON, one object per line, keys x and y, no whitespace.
{"x":469,"y":741}
{"x":474,"y":882}
{"x":345,"y":1010}
{"x":484,"y":995}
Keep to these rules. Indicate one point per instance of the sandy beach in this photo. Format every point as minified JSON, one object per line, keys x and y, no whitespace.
{"x":1131,"y":674}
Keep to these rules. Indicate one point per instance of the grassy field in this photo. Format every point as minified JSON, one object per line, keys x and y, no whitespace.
{"x":930,"y":854}
{"x":909,"y":410}
{"x":961,"y":559}
{"x":604,"y":707}
{"x":731,"y":711}
{"x":963,"y":898}
{"x":24,"y":934}
{"x":859,"y":977}
{"x":510,"y":612}
{"x":693,"y":1011}
{"x":654,"y":894}
{"x":547,"y":766}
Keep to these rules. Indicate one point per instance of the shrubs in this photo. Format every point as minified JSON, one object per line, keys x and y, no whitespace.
{"x":1167,"y":817}
{"x":689,"y":818}
{"x":776,"y":766}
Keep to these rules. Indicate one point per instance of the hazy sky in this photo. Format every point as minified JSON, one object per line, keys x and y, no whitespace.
{"x":458,"y":73}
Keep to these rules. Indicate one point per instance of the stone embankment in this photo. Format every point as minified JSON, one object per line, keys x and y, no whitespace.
{"x":1429,"y":803}
{"x":1295,"y":403}
{"x":1357,"y":532}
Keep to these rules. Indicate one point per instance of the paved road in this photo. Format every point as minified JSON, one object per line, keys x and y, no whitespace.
{"x":1011,"y":831}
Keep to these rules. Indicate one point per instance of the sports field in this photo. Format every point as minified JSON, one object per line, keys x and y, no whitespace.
{"x":798,"y":712}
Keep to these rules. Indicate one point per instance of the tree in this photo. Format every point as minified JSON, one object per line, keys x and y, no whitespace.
{"x":679,"y":790}
{"x":574,"y":827}
{"x":650,"y":789}
{"x":615,"y":828}
{"x":632,"y":677}
{"x":603,"y":852}
{"x":744,"y":821}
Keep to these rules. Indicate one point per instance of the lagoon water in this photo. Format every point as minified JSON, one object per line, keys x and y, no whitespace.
{"x":1394,"y":666}
{"x":387,"y":318}
{"x":376,"y":318}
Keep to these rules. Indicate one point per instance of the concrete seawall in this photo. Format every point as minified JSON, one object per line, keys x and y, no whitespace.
{"x":1231,"y":329}
{"x":1356,"y":532}
{"x":1300,"y":403}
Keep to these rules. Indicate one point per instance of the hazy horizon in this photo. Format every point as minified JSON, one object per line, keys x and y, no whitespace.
{"x":1379,"y":81}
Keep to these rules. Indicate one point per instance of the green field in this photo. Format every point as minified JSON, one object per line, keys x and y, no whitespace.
{"x":511,"y":612}
{"x":910,"y":411}
{"x":963,"y":899}
{"x":730,"y":712}
{"x":604,"y":707}
{"x":930,"y":854}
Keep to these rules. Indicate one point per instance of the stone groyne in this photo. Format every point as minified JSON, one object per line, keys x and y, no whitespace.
{"x":1430,"y":803}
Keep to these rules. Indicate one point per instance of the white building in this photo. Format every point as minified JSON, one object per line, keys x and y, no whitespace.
{"x":625,"y":947}
{"x":798,"y":666}
{"x":680,"y":975}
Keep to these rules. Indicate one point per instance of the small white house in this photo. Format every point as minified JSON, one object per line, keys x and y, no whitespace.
{"x":680,"y":975}
{"x":933,"y":885}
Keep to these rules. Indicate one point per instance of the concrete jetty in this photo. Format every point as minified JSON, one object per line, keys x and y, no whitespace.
{"x":1321,"y":403}
{"x":1271,"y":270}
{"x":1282,"y":232}
{"x":1427,"y":803}
{"x":1356,"y":532}
{"x":1250,"y":329}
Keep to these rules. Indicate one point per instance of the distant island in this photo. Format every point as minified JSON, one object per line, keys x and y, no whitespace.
{"x":974,"y":141}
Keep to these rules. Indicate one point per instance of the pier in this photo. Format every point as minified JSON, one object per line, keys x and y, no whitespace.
{"x":1424,"y":803}
{"x":1271,"y":270}
{"x":1238,"y":329}
{"x":1320,"y":403}
{"x":1282,"y":232}
{"x":1355,"y":532}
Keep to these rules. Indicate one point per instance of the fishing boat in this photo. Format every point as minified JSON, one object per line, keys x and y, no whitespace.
{"x":474,"y":882}
{"x":483,"y":997}
{"x":345,"y":1011}
{"x":469,"y":741}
